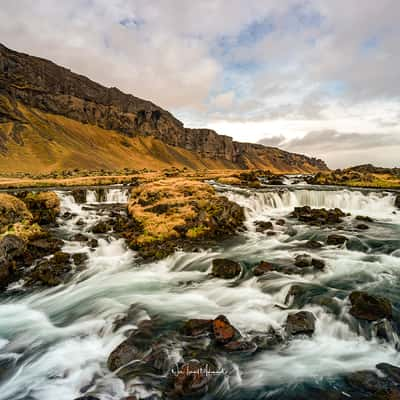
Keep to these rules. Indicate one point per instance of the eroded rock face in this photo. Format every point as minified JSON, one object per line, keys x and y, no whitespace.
{"x":369,"y":307}
{"x":224,"y":268}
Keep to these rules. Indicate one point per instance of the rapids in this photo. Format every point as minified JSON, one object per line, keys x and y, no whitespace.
{"x":54,"y":343}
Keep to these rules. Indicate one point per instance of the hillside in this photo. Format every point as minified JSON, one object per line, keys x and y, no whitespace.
{"x":52,"y":118}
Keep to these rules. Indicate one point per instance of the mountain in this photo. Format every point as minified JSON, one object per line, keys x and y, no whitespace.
{"x":52,"y":118}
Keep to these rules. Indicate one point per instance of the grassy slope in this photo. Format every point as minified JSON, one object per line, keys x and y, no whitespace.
{"x":52,"y":142}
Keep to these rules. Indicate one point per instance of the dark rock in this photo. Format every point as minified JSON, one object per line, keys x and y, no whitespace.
{"x":390,"y":371}
{"x":369,"y":307}
{"x":362,"y":226}
{"x":262,"y":226}
{"x":268,"y":341}
{"x":280,"y":222}
{"x":318,"y":216}
{"x":44,"y":206}
{"x":318,"y":264}
{"x":192,"y":379}
{"x":89,"y":397}
{"x":294,"y":291}
{"x":197,"y":327}
{"x":223,"y":331}
{"x":263,"y":268}
{"x":336,"y":240}
{"x":276,"y":180}
{"x":101,"y":227}
{"x":79,"y":195}
{"x":313,"y":244}
{"x":240,"y":346}
{"x":43,"y":247}
{"x":80,"y":222}
{"x":93,"y":243}
{"x":122,"y":355}
{"x":11,"y":247}
{"x":302,"y":322}
{"x":364,"y":218}
{"x":224,"y":268}
{"x":291,"y":231}
{"x":397,"y":201}
{"x":367,"y":381}
{"x":271,"y":233}
{"x":79,"y":237}
{"x":303,"y":261}
{"x":79,"y":258}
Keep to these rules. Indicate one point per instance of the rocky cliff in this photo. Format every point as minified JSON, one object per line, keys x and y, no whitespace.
{"x":37,"y":84}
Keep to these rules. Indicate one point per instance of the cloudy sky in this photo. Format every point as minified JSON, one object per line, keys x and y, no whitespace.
{"x":320,"y":77}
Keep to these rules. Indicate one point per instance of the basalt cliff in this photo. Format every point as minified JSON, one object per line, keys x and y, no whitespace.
{"x":52,"y":118}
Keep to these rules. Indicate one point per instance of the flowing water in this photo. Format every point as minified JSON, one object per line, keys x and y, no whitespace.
{"x":54,"y":343}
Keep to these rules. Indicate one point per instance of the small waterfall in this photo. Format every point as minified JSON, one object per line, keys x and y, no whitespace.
{"x":370,"y":203}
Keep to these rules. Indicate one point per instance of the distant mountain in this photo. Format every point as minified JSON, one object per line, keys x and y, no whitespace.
{"x":52,"y":118}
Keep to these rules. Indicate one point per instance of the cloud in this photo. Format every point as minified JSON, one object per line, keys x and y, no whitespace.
{"x":344,"y":149}
{"x":224,"y":100}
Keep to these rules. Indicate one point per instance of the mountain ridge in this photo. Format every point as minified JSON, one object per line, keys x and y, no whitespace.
{"x":34,"y":86}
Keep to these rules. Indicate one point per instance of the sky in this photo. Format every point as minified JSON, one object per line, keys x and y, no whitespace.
{"x":319,"y":77}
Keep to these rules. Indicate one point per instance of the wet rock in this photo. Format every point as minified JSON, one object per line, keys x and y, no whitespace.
{"x":364,"y":218}
{"x":271,"y":233}
{"x":197,"y":327}
{"x":290,"y":231}
{"x":362,"y":227}
{"x":294,"y":292}
{"x":11,"y":247}
{"x":223,"y":331}
{"x":318,"y":216}
{"x":89,"y":397}
{"x":313,"y":244}
{"x":93,"y":243}
{"x":367,"y":381}
{"x":390,"y":371}
{"x":192,"y":379}
{"x":329,"y":303}
{"x":240,"y":346}
{"x":383,"y":329}
{"x":79,"y":237}
{"x":79,"y":196}
{"x":303,"y":261}
{"x":263,"y":268}
{"x":101,"y":227}
{"x":302,"y":322}
{"x":280,"y":222}
{"x":397,"y":201}
{"x":43,"y":247}
{"x":44,"y":206}
{"x":318,"y":264}
{"x":262,"y":226}
{"x":80,"y":222}
{"x":336,"y":240}
{"x":369,"y":307}
{"x":268,"y":341}
{"x":125,"y":353}
{"x":224,"y":268}
{"x":275,"y":180}
{"x":79,"y":258}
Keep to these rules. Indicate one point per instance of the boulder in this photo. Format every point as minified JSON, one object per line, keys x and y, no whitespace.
{"x":362,"y":227}
{"x":79,"y":258}
{"x":280,"y":222}
{"x":11,"y":247}
{"x":302,"y":322}
{"x":44,"y":206}
{"x":336,"y":240}
{"x":122,"y":355}
{"x":197,"y":327}
{"x":12,"y":210}
{"x":263,"y":268}
{"x":223,"y":331}
{"x":224,"y":268}
{"x":369,"y":307}
{"x":43,"y":247}
{"x":313,"y":244}
{"x":368,"y":381}
{"x":303,"y":261}
{"x":397,"y":201}
{"x":364,"y":218}
{"x":101,"y":227}
{"x":79,"y":237}
{"x":318,"y":264}
{"x":318,"y":216}
{"x":262,"y":226}
{"x":240,"y":346}
{"x":390,"y":371}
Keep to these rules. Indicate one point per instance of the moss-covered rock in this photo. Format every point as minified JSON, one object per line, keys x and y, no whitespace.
{"x":44,"y":206}
{"x":12,"y":210}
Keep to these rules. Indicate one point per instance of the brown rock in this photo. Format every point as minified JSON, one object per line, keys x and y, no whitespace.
{"x":369,"y":307}
{"x":226,"y":269}
{"x":223,"y":331}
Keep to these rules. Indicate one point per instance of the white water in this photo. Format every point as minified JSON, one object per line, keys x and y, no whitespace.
{"x":63,"y":336}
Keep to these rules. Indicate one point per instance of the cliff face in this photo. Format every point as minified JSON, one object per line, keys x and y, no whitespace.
{"x":39,"y":84}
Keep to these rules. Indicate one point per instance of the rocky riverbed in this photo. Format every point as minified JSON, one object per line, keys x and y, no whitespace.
{"x":179,"y":289}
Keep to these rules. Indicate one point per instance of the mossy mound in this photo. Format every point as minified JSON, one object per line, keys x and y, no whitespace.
{"x":170,"y":212}
{"x":44,"y":206}
{"x":12,"y":210}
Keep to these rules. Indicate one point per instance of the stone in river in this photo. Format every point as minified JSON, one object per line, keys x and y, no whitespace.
{"x":369,"y":307}
{"x":224,"y":268}
{"x":223,"y":331}
{"x":302,"y":322}
{"x":336,"y":239}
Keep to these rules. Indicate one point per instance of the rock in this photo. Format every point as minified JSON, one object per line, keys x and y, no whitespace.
{"x":12,"y":210}
{"x":223,"y":331}
{"x":89,"y":397}
{"x":192,"y":379}
{"x":79,"y":237}
{"x":197,"y":327}
{"x":302,"y":322}
{"x":336,"y":240}
{"x":79,"y":196}
{"x":93,"y":243}
{"x":240,"y":346}
{"x":280,"y":222}
{"x":80,"y":222}
{"x":44,"y":206}
{"x":318,"y":216}
{"x":275,"y":180}
{"x":79,"y":258}
{"x":122,"y":355}
{"x":367,"y":381}
{"x":313,"y":244}
{"x":397,"y":201}
{"x":11,"y":247}
{"x":369,"y":307}
{"x":295,"y":291}
{"x":364,"y":218}
{"x":318,"y":264}
{"x":224,"y":268}
{"x":263,"y":268}
{"x":390,"y":371}
{"x":101,"y":227}
{"x":262,"y":226}
{"x":362,"y":226}
{"x":268,"y":341}
{"x":303,"y":261}
{"x":43,"y":247}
